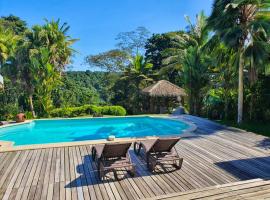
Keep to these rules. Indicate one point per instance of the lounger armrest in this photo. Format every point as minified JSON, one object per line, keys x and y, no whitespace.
{"x":148,"y":144}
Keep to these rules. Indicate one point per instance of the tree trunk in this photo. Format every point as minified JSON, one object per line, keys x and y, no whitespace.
{"x":240,"y":88}
{"x":32,"y":106}
{"x":252,"y":78}
{"x":226,"y":108}
{"x":191,"y":104}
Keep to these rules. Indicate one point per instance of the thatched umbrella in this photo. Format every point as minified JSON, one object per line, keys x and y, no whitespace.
{"x":164,"y":89}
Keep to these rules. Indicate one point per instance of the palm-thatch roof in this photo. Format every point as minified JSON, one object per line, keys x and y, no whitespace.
{"x":164,"y":88}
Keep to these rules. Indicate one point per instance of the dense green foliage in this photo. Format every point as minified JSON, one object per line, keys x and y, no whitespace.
{"x":33,"y":61}
{"x":222,"y":61}
{"x":255,"y":127}
{"x":127,"y":90}
{"x":80,"y":88}
{"x":88,"y":110}
{"x":244,"y":26}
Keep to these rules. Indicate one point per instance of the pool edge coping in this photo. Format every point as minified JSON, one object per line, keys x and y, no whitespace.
{"x":8,"y":145}
{"x":16,"y":124}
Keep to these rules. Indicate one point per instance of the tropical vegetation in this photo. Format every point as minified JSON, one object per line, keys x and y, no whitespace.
{"x":221,"y":60}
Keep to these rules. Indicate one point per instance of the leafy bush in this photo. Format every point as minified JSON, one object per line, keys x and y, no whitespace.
{"x":29,"y":115}
{"x":92,"y":109}
{"x":8,"y":111}
{"x":114,"y":110}
{"x":88,"y":110}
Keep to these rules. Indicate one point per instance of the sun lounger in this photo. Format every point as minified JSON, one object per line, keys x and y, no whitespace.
{"x":159,"y":151}
{"x":112,"y":156}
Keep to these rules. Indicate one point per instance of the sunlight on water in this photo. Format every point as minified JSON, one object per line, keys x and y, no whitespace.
{"x":66,"y":130}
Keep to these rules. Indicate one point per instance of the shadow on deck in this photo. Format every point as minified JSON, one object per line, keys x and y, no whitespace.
{"x":89,"y":174}
{"x":264,"y":144}
{"x":250,"y":168}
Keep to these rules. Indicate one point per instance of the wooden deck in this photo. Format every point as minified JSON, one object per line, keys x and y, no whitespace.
{"x":252,"y":189}
{"x":215,"y":156}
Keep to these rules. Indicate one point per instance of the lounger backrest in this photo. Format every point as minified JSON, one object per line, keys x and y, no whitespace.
{"x":165,"y":144}
{"x":116,"y":150}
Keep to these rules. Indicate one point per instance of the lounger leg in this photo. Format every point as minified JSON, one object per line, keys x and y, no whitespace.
{"x":150,"y":164}
{"x":137,"y":148}
{"x":153,"y":165}
{"x":147,"y":160}
{"x":98,"y":168}
{"x":101,"y":171}
{"x":115,"y":175}
{"x":132,"y":171}
{"x":94,"y":152}
{"x":180,"y":162}
{"x":179,"y":165}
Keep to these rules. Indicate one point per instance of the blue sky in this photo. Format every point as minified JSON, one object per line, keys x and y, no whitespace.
{"x":97,"y":22}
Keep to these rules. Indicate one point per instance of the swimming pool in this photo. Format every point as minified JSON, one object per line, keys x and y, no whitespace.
{"x":70,"y":130}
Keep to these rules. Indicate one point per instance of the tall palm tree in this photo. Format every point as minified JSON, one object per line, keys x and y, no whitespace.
{"x":190,"y":59}
{"x":59,"y":43}
{"x":223,"y":71}
{"x":195,"y":77}
{"x":234,"y":21}
{"x":172,"y":56}
{"x":8,"y":43}
{"x":257,"y":54}
{"x":46,"y":49}
{"x":54,"y":36}
{"x":196,"y":62}
{"x":136,"y":76}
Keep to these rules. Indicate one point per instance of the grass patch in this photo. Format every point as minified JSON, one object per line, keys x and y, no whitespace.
{"x":255,"y":127}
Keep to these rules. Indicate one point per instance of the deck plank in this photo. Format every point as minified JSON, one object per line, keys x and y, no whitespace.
{"x":237,"y":190}
{"x":216,"y":157}
{"x":14,"y":177}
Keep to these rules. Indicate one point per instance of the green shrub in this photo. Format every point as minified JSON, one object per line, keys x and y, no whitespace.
{"x":29,"y":115}
{"x":56,"y":112}
{"x":8,"y":111}
{"x":88,"y":110}
{"x":114,"y":110}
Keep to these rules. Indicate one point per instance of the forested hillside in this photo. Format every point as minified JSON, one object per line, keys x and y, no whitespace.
{"x":79,"y":88}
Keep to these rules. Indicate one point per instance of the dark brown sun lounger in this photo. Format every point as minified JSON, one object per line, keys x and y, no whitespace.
{"x":112,"y":156}
{"x":159,"y":151}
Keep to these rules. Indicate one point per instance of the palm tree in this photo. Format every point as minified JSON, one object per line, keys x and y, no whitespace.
{"x":223,"y":71}
{"x":172,"y":56}
{"x":257,"y":55}
{"x":135,"y":77}
{"x":235,"y":21}
{"x":46,"y":49}
{"x":138,"y":70}
{"x":189,"y":57}
{"x":58,"y":43}
{"x":195,"y":76}
{"x":8,"y":43}
{"x":196,"y":62}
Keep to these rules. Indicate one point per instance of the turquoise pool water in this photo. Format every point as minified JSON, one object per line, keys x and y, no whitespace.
{"x":69,"y":130}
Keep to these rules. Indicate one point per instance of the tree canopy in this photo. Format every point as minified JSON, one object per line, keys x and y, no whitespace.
{"x":221,"y":60}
